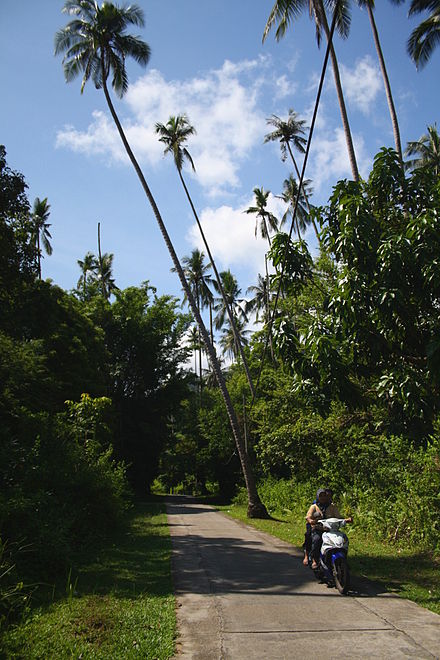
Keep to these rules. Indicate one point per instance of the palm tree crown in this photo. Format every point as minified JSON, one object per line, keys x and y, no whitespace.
{"x":427,"y":151}
{"x":426,"y":36}
{"x":173,"y":134}
{"x":266,"y":220}
{"x":287,"y":132}
{"x":96,"y":44}
{"x":40,"y":216}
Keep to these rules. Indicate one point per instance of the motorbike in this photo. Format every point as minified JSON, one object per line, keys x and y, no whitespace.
{"x":333,"y":566}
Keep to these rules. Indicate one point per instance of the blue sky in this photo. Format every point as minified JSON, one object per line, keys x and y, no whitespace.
{"x":207,"y":61}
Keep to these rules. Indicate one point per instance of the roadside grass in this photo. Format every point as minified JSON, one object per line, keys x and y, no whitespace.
{"x":409,"y":573}
{"x":118,"y":603}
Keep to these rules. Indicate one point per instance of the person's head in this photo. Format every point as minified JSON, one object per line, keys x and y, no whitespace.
{"x":323,"y":496}
{"x":329,"y":493}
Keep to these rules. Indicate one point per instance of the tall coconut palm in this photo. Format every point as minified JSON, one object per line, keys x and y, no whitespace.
{"x":96,"y":44}
{"x":288,"y":133}
{"x":174,"y":135}
{"x":196,"y":272}
{"x":289,"y":195}
{"x":105,"y":275}
{"x":369,"y":6}
{"x":228,"y":340}
{"x":426,"y":36}
{"x":89,"y":267}
{"x":266,"y":221}
{"x":233,"y":300}
{"x":284,"y":12}
{"x":40,"y":215}
{"x":426,"y":151}
{"x":260,"y":299}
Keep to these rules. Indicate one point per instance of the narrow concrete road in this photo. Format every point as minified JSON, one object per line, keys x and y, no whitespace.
{"x":243,"y":594}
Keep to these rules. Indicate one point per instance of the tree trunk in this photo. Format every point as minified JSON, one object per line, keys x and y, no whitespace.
{"x":220,"y":286}
{"x":304,"y":193}
{"x":103,"y":291}
{"x":345,"y":124}
{"x":386,"y":81}
{"x":256,"y":508}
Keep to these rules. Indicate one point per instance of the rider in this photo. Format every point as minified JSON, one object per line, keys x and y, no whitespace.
{"x":323,"y":507}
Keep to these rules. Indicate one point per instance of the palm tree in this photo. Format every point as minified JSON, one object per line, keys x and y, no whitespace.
{"x":196,"y":272}
{"x":426,"y":36}
{"x":230,"y":299}
{"x":285,"y":12}
{"x":266,"y":221}
{"x":105,"y":275}
{"x":228,"y":340}
{"x":194,"y":343}
{"x":288,"y":133}
{"x":88,"y":265}
{"x":96,"y":44}
{"x":291,"y":132}
{"x":302,"y":216}
{"x":369,"y":5}
{"x":40,"y":215}
{"x":427,"y":151}
{"x":260,"y":300}
{"x":174,"y":135}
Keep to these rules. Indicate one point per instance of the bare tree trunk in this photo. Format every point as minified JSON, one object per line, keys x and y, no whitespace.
{"x":256,"y":508}
{"x":386,"y":81}
{"x":100,"y":261}
{"x":220,"y":286}
{"x":344,"y":116}
{"x":304,"y":193}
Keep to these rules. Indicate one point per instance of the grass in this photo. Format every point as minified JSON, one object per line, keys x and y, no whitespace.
{"x":409,"y":573}
{"x":118,"y":604}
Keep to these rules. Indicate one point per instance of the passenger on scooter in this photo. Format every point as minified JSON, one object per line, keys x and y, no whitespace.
{"x":323,"y":507}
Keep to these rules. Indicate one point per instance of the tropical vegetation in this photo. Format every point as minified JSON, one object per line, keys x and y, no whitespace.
{"x":101,"y":404}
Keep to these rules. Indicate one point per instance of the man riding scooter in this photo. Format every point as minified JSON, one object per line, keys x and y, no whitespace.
{"x":323,"y":507}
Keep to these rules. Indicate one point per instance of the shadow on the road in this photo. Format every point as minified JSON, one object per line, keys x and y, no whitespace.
{"x":235,"y":565}
{"x":242,"y":566}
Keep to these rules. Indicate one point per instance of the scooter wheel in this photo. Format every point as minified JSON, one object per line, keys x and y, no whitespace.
{"x":341,"y":574}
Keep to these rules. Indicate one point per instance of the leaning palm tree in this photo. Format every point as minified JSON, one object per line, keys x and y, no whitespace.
{"x":284,"y":12}
{"x":174,"y":135}
{"x":96,"y":45}
{"x":40,"y":215}
{"x":426,"y":36}
{"x":426,"y":151}
{"x":369,"y":5}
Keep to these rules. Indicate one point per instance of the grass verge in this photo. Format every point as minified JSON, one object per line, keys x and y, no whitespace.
{"x":408,"y":573}
{"x":119,"y":604}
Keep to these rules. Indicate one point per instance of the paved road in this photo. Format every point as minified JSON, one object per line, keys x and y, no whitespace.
{"x":243,"y":594}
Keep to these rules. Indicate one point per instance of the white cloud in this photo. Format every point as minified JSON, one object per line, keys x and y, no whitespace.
{"x":101,"y":138}
{"x":231,"y":236}
{"x":329,"y":160}
{"x":362,"y":84}
{"x":222,"y":105}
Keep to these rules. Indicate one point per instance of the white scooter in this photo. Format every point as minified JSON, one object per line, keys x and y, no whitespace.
{"x":333,"y":566}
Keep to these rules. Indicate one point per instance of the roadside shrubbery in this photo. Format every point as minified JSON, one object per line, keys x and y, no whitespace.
{"x":63,"y":491}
